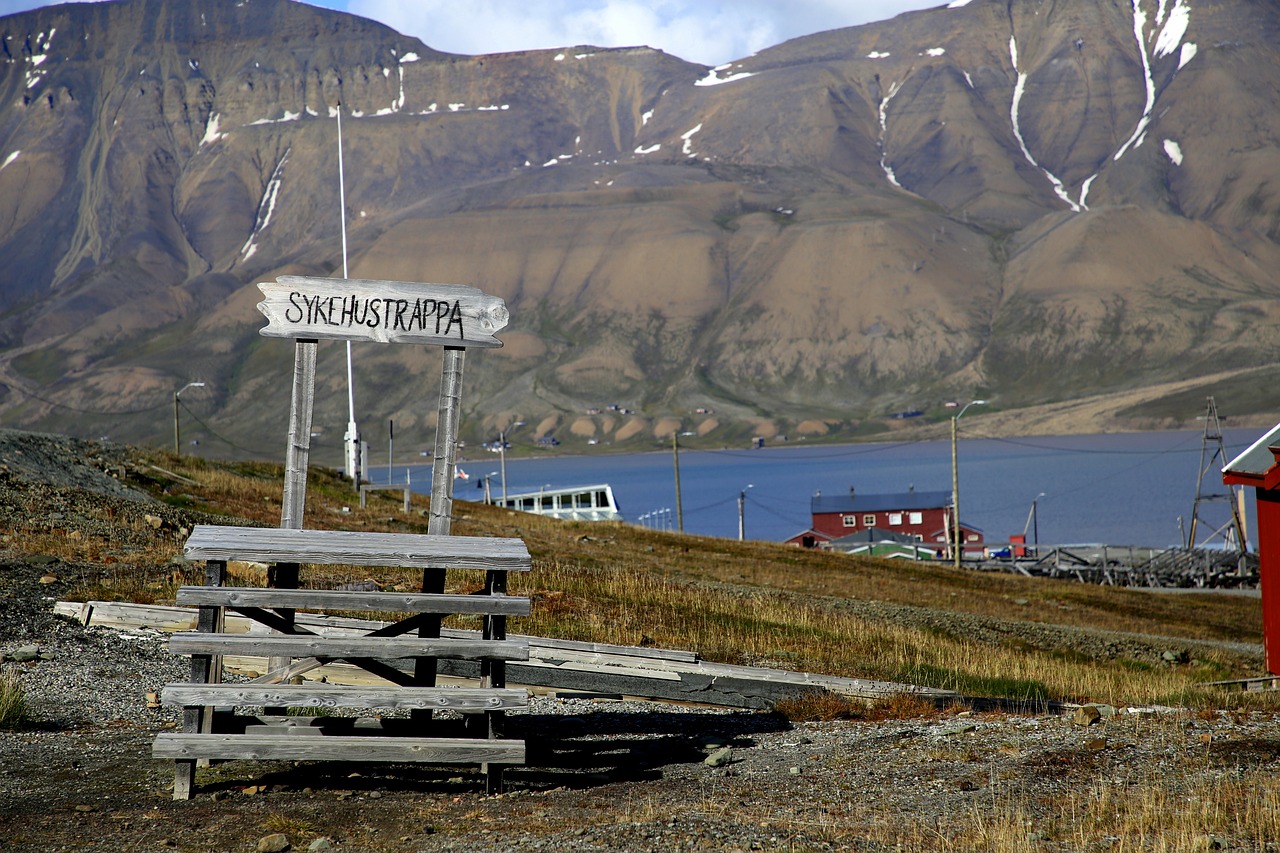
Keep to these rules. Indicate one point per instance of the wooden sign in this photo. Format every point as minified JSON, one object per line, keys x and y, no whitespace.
{"x":397,"y":312}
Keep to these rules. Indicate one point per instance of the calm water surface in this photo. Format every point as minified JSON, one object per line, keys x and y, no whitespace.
{"x":1127,"y":489}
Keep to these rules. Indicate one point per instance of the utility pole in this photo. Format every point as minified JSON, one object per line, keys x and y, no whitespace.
{"x":675,"y":453}
{"x":742,"y":513}
{"x":1233,"y":528}
{"x":177,"y":441}
{"x":958,"y":545}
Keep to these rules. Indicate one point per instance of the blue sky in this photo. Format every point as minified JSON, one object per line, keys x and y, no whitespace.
{"x":705,"y":31}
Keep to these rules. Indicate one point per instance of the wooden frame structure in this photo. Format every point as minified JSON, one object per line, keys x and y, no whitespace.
{"x":405,"y":653}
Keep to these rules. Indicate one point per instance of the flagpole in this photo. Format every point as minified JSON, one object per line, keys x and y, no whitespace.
{"x":353,"y":431}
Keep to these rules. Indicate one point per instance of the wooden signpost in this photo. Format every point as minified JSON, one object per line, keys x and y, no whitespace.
{"x":307,"y":310}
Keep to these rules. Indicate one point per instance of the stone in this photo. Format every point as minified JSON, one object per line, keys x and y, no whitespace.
{"x":154,"y":521}
{"x":1086,"y":715}
{"x":276,"y":842}
{"x":320,"y":844}
{"x":720,"y":757}
{"x":958,"y":729}
{"x":1096,"y":744}
{"x":48,"y":579}
{"x":24,"y":654}
{"x":1175,"y":656}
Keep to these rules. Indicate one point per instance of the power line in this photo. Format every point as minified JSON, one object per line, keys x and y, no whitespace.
{"x":58,"y":405}
{"x":214,"y":433}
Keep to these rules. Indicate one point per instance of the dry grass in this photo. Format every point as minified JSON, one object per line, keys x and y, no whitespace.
{"x":13,"y":703}
{"x":750,"y":603}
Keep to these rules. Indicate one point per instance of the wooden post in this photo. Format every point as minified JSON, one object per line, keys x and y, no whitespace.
{"x":440,"y":521}
{"x":205,"y":669}
{"x":298,"y":454}
{"x":493,"y":673}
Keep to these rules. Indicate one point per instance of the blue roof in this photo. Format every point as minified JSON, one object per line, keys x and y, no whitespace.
{"x":879,"y":503}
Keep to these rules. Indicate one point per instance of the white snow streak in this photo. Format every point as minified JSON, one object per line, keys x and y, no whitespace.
{"x":936,"y":51}
{"x":1058,"y":188}
{"x":875,"y":54}
{"x":968,"y":79}
{"x":1174,"y":151}
{"x":644,"y":117}
{"x":884,"y":129}
{"x":1176,"y":27}
{"x":1188,"y":53}
{"x":651,"y":149}
{"x":10,"y":159}
{"x":266,"y":207}
{"x":211,"y":134}
{"x":409,"y":57}
{"x":956,"y":4}
{"x":1139,"y":27}
{"x":288,"y":116}
{"x":687,"y":136}
{"x":713,"y":79}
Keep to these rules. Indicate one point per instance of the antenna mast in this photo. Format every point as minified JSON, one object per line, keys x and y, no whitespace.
{"x":352,"y":436}
{"x":1232,"y":532}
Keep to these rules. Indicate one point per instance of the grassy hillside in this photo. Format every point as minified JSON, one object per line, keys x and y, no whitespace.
{"x":984,"y":634}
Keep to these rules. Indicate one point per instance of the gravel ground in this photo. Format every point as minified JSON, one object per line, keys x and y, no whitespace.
{"x":601,"y":774}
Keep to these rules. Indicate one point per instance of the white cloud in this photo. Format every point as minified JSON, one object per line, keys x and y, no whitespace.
{"x":707,"y":31}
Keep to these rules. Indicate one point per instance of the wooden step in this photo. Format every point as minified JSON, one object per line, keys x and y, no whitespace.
{"x":309,"y":645}
{"x":334,"y":696}
{"x":359,"y":548}
{"x":278,"y":746}
{"x":327,"y":599}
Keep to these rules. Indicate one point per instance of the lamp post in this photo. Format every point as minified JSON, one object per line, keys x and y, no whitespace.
{"x":742,"y":505}
{"x":502,"y":451}
{"x":1035,"y":522}
{"x":957,"y":545}
{"x":177,"y":443}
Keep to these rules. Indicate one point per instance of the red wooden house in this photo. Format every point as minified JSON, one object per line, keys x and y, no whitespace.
{"x":1259,"y":467}
{"x":923,"y":516}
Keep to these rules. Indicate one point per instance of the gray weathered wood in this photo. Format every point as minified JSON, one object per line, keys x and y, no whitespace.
{"x":330,"y":599}
{"x":381,"y":311}
{"x":196,"y":643}
{"x":255,"y":746}
{"x":413,"y":550}
{"x":336,"y":696}
{"x":298,"y":451}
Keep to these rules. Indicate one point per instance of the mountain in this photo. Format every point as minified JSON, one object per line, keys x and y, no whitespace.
{"x":1030,"y":201}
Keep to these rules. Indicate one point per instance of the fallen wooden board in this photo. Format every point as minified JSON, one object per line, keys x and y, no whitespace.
{"x":553,"y":664}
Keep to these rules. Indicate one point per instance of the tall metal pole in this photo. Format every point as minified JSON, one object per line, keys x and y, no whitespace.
{"x":675,"y":452}
{"x":955,"y":484}
{"x":353,"y":431}
{"x":955,"y":498}
{"x":742,"y":504}
{"x":502,"y":452}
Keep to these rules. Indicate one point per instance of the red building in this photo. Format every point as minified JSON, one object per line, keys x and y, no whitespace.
{"x":1259,"y":467}
{"x":923,"y":516}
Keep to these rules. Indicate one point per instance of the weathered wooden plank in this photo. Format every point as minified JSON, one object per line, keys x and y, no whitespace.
{"x":400,"y":312}
{"x":323,"y":599}
{"x":413,"y":550}
{"x":294,"y":646}
{"x":334,"y":696}
{"x":181,"y":746}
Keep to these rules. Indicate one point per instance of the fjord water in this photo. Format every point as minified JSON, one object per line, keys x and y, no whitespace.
{"x":1117,"y":489}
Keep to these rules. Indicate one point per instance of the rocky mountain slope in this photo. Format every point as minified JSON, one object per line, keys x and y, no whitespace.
{"x":1030,"y":201}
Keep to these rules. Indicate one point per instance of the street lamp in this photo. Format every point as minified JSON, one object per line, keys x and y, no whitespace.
{"x":1035,"y":521}
{"x":955,"y":485}
{"x":502,"y":451}
{"x":742,"y":504}
{"x":177,"y":446}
